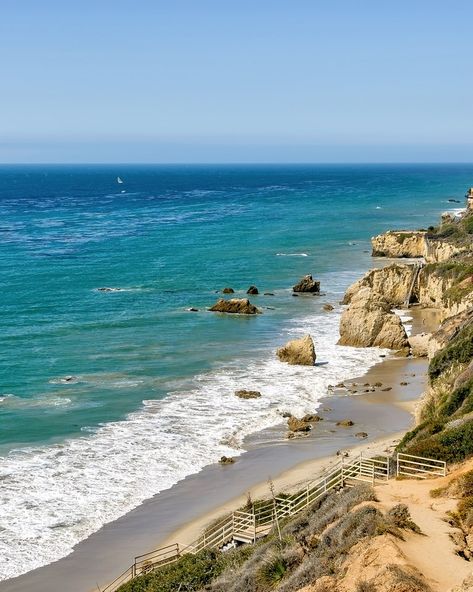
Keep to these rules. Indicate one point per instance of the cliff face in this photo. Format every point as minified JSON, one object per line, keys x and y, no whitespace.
{"x":399,"y":243}
{"x":414,"y":244}
{"x":392,"y":282}
{"x":369,"y":322}
{"x":447,"y":287}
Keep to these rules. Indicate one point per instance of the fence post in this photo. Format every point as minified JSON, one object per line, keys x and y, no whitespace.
{"x":307,"y":495}
{"x":387,"y":468}
{"x":372,"y":473}
{"x":343,"y":473}
{"x":397,"y":464}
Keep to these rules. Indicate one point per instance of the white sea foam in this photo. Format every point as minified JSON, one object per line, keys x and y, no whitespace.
{"x":292,"y":254}
{"x":54,"y":496}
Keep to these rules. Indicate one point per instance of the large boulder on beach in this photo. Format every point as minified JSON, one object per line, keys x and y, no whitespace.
{"x":419,"y":344}
{"x":298,"y":425}
{"x":235,"y":306}
{"x":370,"y":322}
{"x":307,"y":284}
{"x":298,"y":352}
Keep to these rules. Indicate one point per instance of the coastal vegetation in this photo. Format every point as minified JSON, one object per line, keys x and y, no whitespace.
{"x":313,"y":545}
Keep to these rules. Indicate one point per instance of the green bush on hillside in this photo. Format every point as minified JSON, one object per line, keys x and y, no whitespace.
{"x":191,"y":572}
{"x":459,"y":350}
{"x":451,"y":445}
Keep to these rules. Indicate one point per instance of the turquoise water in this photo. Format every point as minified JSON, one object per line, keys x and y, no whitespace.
{"x":152,"y":383}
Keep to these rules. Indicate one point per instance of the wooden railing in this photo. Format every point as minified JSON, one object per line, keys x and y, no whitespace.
{"x":248,"y":526}
{"x":420,"y":467}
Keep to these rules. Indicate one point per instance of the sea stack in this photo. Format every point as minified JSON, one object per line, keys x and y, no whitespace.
{"x":298,"y":352}
{"x":307,"y":284}
{"x":235,"y":306}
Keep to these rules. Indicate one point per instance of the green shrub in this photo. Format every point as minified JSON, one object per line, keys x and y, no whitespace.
{"x":272,"y":571}
{"x":452,"y":445}
{"x":460,"y":400}
{"x":191,"y":572}
{"x":459,"y":350}
{"x":467,"y":223}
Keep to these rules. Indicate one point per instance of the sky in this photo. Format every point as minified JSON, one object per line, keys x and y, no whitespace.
{"x":236,"y":81}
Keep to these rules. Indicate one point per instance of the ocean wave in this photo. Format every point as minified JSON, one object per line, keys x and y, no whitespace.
{"x":82,"y":481}
{"x":292,"y":254}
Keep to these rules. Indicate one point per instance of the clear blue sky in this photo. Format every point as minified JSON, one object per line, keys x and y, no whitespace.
{"x":236,"y":81}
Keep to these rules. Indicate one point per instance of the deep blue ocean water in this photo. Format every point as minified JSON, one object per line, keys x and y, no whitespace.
{"x":152,"y":383}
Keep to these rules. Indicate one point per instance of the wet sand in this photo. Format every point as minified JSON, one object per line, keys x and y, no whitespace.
{"x":179,"y":513}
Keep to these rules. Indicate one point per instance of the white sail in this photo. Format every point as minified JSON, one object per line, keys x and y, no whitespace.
{"x":119,"y":180}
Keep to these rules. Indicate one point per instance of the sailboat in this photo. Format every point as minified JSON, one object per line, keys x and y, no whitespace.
{"x":119,"y":181}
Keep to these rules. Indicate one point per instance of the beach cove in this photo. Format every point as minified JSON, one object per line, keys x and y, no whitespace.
{"x":220,"y":486}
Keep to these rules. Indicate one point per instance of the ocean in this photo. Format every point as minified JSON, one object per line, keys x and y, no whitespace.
{"x":108,"y":397}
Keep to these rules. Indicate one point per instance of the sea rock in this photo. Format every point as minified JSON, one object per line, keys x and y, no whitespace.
{"x":226,"y":460}
{"x":298,"y":352}
{"x":345,"y":423}
{"x":419,"y":344}
{"x":243,"y":394}
{"x":369,"y":322}
{"x":192,"y":309}
{"x":268,"y":294}
{"x":235,"y":306}
{"x":252,"y":290}
{"x":328,"y":307}
{"x":399,"y":243}
{"x":311,"y":418}
{"x":361,"y":435}
{"x":298,"y":425}
{"x":228,"y":291}
{"x":307,"y":284}
{"x":386,"y":389}
{"x":109,"y":289}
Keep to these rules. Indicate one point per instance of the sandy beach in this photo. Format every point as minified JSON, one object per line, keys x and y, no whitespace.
{"x":181,"y":512}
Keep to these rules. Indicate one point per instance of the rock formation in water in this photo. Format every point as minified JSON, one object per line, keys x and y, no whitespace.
{"x":307,"y":284}
{"x":298,"y":425}
{"x":298,"y":352}
{"x":244,"y":394}
{"x":252,"y":290}
{"x":235,"y":306}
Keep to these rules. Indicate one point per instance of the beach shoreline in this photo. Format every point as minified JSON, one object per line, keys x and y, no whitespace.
{"x":181,"y":512}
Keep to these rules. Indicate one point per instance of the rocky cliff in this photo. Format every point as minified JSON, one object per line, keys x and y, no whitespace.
{"x":399,"y":243}
{"x":391,"y":282}
{"x":414,"y":244}
{"x":369,"y":322}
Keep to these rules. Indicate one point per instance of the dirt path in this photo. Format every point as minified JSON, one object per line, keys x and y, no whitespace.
{"x":433,"y":554}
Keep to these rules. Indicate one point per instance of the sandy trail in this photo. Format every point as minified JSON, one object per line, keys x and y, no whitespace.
{"x":433,"y":554}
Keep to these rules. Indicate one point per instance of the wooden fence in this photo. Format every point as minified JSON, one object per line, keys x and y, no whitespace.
{"x":248,"y":526}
